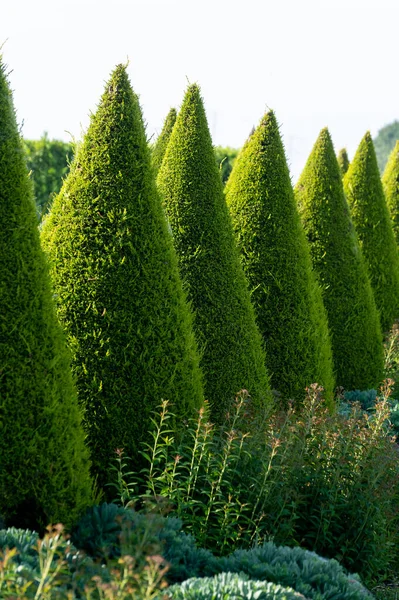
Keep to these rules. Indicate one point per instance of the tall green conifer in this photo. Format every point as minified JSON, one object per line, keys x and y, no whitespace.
{"x":373,"y":225}
{"x":390,"y":182}
{"x":276,"y":260}
{"x":44,"y":466}
{"x":343,"y":161}
{"x":159,"y":148}
{"x":116,"y":276}
{"x":192,"y":192}
{"x":337,"y":258}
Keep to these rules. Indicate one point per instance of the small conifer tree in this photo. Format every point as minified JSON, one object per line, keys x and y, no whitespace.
{"x":44,"y":464}
{"x":343,"y":161}
{"x":373,"y":225}
{"x":119,"y":292}
{"x":276,"y":260}
{"x":390,"y":181}
{"x":352,"y":314}
{"x":192,"y":191}
{"x":159,"y":148}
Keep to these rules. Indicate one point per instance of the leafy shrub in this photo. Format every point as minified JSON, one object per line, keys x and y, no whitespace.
{"x":232,"y":586}
{"x":390,"y":182}
{"x":343,"y":161}
{"x":159,"y":148}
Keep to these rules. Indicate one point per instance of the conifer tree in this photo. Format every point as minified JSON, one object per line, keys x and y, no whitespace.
{"x":115,"y":272}
{"x":44,"y":464}
{"x":390,"y":181}
{"x":373,"y":225}
{"x":192,"y":191}
{"x":343,"y":161}
{"x":352,"y":314}
{"x":276,"y":260}
{"x":159,"y":148}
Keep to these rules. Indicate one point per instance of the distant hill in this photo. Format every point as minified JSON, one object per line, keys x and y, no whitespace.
{"x":384,"y":143}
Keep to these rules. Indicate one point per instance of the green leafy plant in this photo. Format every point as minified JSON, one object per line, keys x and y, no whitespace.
{"x":390,"y":182}
{"x":343,"y":160}
{"x":159,"y":148}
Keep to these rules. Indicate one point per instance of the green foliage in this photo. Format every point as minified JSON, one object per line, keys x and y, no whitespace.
{"x":384,"y":143}
{"x":44,"y":468}
{"x":232,"y":586}
{"x":337,"y":259}
{"x":373,"y":226}
{"x":118,"y":289}
{"x":48,"y":161}
{"x":224,"y":321}
{"x":276,"y":260}
{"x":159,"y":148}
{"x":225,"y":158}
{"x":343,"y":161}
{"x":390,"y":181}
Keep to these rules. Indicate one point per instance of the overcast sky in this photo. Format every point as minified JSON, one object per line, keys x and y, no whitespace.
{"x":317,"y":63}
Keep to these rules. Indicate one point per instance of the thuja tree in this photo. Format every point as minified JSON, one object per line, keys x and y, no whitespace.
{"x":373,"y":225}
{"x":343,"y":160}
{"x":390,"y":181}
{"x":159,"y":148}
{"x":337,"y":258}
{"x":118,"y":289}
{"x":276,"y":260}
{"x":192,"y":191}
{"x":44,"y":465}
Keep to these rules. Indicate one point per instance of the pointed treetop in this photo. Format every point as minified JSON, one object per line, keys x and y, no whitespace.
{"x":343,"y":160}
{"x":159,"y":148}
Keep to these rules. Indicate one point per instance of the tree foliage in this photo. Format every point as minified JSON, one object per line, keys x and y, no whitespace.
{"x":159,"y":148}
{"x":338,"y":261}
{"x":119,"y":294}
{"x":384,"y":143}
{"x":191,"y":188}
{"x":44,"y":467}
{"x":390,"y":181}
{"x":276,"y":260}
{"x":372,"y":222}
{"x":343,"y":160}
{"x":225,"y":157}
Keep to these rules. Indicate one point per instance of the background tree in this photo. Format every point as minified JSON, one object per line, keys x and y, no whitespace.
{"x":276,"y":260}
{"x":159,"y":148}
{"x":191,"y":188}
{"x":352,"y":314}
{"x":343,"y":161}
{"x":384,"y":143}
{"x":225,"y":157}
{"x":44,"y":467}
{"x":118,"y":288}
{"x":373,"y":225}
{"x":390,"y":181}
{"x":48,"y":161}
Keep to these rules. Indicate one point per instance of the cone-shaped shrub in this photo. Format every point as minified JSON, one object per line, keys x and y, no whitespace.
{"x":372,"y":222}
{"x":347,"y":294}
{"x":159,"y":149}
{"x":276,"y":260}
{"x":192,"y":191}
{"x":390,"y":182}
{"x":44,"y":466}
{"x":116,"y":276}
{"x":343,"y":161}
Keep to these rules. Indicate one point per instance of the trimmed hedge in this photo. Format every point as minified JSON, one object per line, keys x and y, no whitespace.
{"x":118,"y":288}
{"x":276,"y":260}
{"x":192,"y":192}
{"x":159,"y":148}
{"x":44,"y":466}
{"x":372,"y":221}
{"x":390,"y":182}
{"x":337,"y":258}
{"x":343,"y":161}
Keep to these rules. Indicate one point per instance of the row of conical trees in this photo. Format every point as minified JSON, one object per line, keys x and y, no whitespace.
{"x":175,"y":289}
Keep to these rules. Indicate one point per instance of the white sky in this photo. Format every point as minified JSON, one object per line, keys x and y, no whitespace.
{"x":317,"y":63}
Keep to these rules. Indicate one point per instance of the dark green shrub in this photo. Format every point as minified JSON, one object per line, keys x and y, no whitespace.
{"x":343,"y":160}
{"x":337,"y":259}
{"x":44,"y":467}
{"x":276,"y":260}
{"x":232,"y":586}
{"x":390,"y":181}
{"x":372,"y":221}
{"x":159,"y":148}
{"x":366,"y":398}
{"x":48,"y":161}
{"x":384,"y":143}
{"x":225,"y":159}
{"x":224,"y":321}
{"x":118,"y":289}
